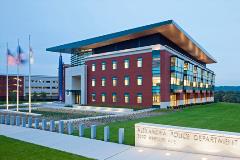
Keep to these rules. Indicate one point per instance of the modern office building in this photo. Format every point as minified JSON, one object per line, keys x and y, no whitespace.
{"x":42,"y":84}
{"x":39,"y":85}
{"x":157,"y":65}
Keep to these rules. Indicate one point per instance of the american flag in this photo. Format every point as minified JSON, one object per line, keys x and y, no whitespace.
{"x":10,"y":58}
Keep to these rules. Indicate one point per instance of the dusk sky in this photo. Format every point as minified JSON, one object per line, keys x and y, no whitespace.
{"x":213,"y":24}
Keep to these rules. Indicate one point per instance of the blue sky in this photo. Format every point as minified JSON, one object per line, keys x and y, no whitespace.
{"x":214,"y":24}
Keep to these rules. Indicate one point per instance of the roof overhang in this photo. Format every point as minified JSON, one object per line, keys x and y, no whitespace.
{"x":169,"y":29}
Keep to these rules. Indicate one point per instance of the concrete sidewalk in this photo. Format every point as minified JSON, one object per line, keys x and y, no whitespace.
{"x":96,"y":149}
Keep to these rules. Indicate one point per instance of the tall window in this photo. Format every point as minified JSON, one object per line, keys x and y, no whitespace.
{"x":94,"y":67}
{"x":93,"y":82}
{"x":126,"y":80}
{"x":114,"y":81}
{"x":126,"y":63}
{"x":114,"y":97}
{"x":139,"y":98}
{"x":139,"y":62}
{"x":114,"y":64}
{"x":103,"y":81}
{"x":103,"y":97}
{"x":139,"y":80}
{"x":93,"y":97}
{"x":126,"y":97}
{"x":103,"y":66}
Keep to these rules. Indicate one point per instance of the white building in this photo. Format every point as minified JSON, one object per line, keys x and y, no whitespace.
{"x":40,"y":84}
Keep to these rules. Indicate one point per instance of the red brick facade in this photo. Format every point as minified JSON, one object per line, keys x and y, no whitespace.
{"x":12,"y":84}
{"x":133,"y":89}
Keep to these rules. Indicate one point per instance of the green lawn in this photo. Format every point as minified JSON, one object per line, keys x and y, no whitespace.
{"x":18,"y":150}
{"x":216,"y":116}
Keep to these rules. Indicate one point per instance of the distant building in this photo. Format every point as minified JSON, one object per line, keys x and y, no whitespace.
{"x":39,"y":84}
{"x":12,"y":87}
{"x":42,"y":84}
{"x":157,"y":65}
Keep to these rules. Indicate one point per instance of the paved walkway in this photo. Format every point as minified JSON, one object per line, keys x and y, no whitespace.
{"x":96,"y":149}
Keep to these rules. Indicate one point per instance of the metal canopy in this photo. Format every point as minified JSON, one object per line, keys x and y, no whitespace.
{"x":169,"y":29}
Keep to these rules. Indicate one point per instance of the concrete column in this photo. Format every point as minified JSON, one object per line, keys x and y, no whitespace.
{"x":36,"y":123}
{"x":17,"y":120}
{"x":44,"y":124}
{"x":29,"y":122}
{"x":7,"y":119}
{"x":121,"y":135}
{"x":12,"y":120}
{"x":61,"y":126}
{"x":93,"y":131}
{"x":52,"y":125}
{"x":70,"y":128}
{"x":2,"y":119}
{"x":106,"y":133}
{"x":81,"y":130}
{"x":23,"y":121}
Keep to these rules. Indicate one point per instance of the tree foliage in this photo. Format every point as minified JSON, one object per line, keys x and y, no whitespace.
{"x":229,"y":96}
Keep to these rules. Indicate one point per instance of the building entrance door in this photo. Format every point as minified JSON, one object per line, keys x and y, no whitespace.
{"x":156,"y":99}
{"x":77,"y":98}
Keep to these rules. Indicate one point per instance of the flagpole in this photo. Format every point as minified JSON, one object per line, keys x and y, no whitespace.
{"x":18,"y":56}
{"x":29,"y":78}
{"x":7,"y":80}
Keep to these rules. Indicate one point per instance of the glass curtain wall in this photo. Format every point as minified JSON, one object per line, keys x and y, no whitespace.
{"x":156,"y":80}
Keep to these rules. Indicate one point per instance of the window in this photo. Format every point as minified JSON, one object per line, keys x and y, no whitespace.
{"x":93,"y":67}
{"x":93,"y":82}
{"x":114,"y":97}
{"x":155,"y":81}
{"x":103,"y":97}
{"x":126,"y":80}
{"x":93,"y":97}
{"x":126,"y":63}
{"x":139,"y":98}
{"x":139,"y":62}
{"x":103,"y":66}
{"x":139,"y":80}
{"x":114,"y":64}
{"x":103,"y":81}
{"x":126,"y":97}
{"x":114,"y":81}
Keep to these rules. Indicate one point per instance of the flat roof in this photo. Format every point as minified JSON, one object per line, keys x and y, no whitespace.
{"x":169,"y":29}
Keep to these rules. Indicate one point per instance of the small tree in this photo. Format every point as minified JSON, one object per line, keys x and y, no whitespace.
{"x":12,"y":96}
{"x":34,"y":96}
{"x":43,"y":95}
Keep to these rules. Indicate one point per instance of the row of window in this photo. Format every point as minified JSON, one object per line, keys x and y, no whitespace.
{"x":115,"y":97}
{"x":115,"y":81}
{"x":115,"y":64}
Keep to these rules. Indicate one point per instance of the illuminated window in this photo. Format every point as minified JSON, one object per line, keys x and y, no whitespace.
{"x":156,"y":81}
{"x":114,"y":64}
{"x":93,"y":67}
{"x":103,"y":66}
{"x":139,"y":62}
{"x":93,"y":97}
{"x":126,"y":97}
{"x":103,"y":81}
{"x":139,"y":80}
{"x":93,"y":82}
{"x":103,"y":97}
{"x":139,"y":98}
{"x":114,"y":81}
{"x":126,"y":63}
{"x":114,"y":97}
{"x":126,"y":80}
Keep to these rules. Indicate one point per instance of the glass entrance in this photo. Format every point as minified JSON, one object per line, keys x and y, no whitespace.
{"x":77,"y":98}
{"x":156,"y":99}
